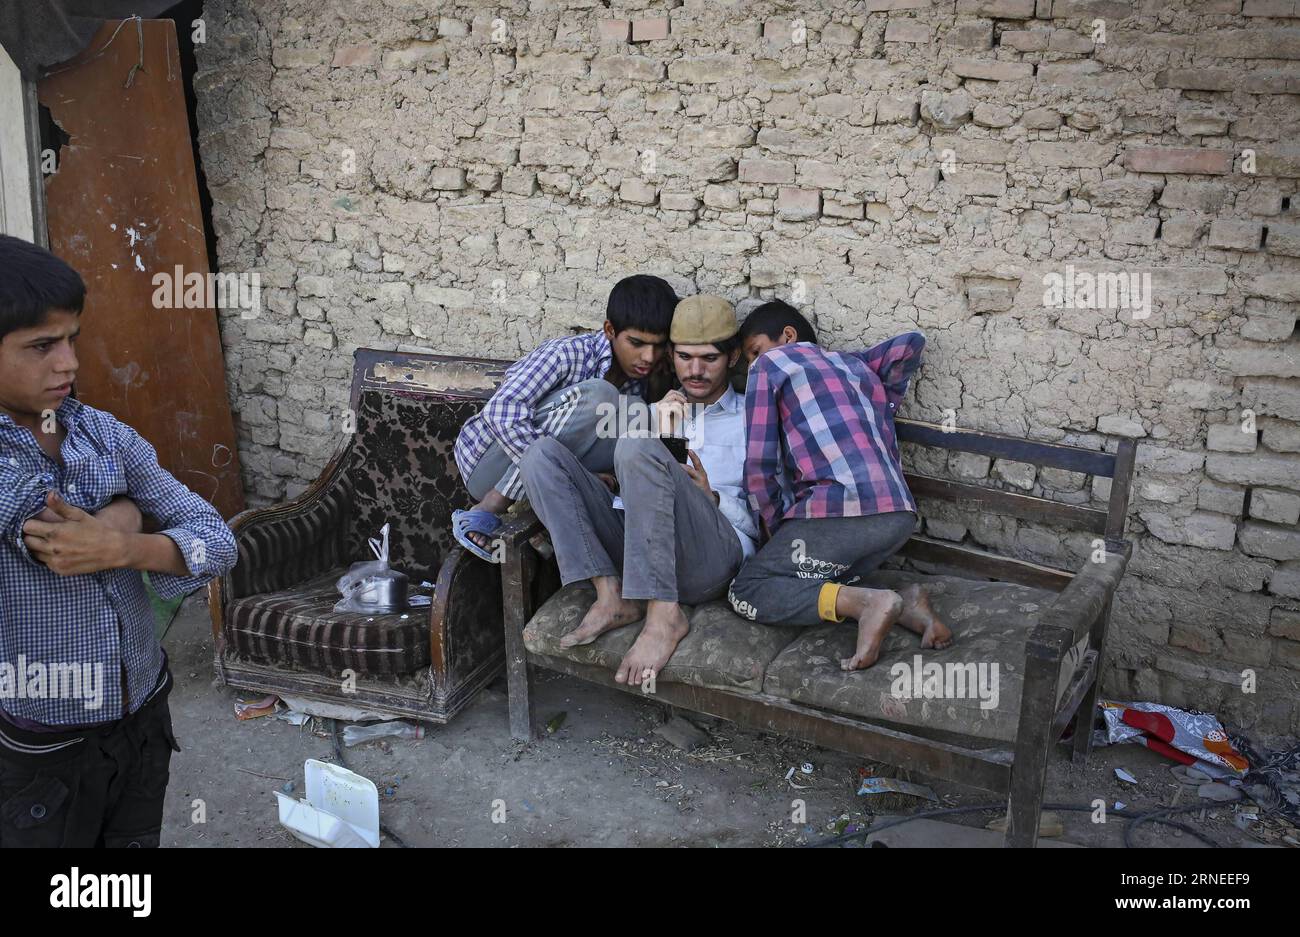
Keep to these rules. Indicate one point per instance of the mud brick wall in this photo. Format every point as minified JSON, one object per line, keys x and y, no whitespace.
{"x":471,"y":178}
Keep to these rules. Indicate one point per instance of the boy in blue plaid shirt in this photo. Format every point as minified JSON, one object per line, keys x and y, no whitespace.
{"x":85,"y":731}
{"x":563,"y":389}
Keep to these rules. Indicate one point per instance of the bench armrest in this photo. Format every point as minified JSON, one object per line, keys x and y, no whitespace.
{"x":520,"y":525}
{"x":1071,"y":616}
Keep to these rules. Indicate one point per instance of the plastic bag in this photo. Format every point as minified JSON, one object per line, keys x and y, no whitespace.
{"x":372,"y":586}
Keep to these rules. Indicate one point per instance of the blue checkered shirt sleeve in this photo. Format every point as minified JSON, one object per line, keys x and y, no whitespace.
{"x":192,"y":523}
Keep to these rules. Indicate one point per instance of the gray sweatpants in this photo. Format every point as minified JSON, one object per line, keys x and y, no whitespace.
{"x":570,"y":415}
{"x":670,"y":542}
{"x":780,"y":584}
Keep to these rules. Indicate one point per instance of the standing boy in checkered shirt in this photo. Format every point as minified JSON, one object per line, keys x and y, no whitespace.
{"x":85,"y":732}
{"x":826,"y":484}
{"x":566,"y":388}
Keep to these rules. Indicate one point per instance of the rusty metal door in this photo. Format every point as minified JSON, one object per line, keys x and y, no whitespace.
{"x":124,"y":207}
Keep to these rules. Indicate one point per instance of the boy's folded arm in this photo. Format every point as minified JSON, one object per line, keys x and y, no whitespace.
{"x":122,"y":514}
{"x":201,"y":544}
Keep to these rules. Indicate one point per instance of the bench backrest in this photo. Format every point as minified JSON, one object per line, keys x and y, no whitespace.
{"x":1107,"y":524}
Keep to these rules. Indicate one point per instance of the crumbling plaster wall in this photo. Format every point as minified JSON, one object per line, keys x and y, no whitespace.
{"x":471,"y":178}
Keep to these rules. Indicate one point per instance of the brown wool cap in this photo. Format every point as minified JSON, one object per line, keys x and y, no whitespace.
{"x":702,"y":320}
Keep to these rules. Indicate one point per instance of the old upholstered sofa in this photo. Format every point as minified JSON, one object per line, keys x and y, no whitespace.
{"x":273,"y":621}
{"x":1044,"y":629}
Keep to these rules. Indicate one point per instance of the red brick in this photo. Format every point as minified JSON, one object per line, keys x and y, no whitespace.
{"x":345,"y":56}
{"x":1186,"y":160}
{"x":647,"y":29}
{"x":615,"y":30}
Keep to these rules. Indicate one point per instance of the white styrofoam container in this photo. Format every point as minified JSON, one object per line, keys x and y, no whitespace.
{"x":340,"y":811}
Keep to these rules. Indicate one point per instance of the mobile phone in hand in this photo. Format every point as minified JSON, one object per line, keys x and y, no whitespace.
{"x":677,"y":446}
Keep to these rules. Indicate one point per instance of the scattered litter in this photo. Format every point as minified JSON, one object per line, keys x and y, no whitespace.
{"x":339,"y":711}
{"x":253,"y":709}
{"x":1274,"y":780}
{"x":419,"y":601}
{"x":355,"y":735}
{"x":556,"y":721}
{"x":426,"y":584}
{"x":872,"y":787}
{"x":1218,"y":792}
{"x":1125,"y":776}
{"x":293,"y":716}
{"x":789,"y":777}
{"x":1049,"y":825}
{"x":806,"y":767}
{"x":682,"y":733}
{"x":1119,"y":805}
{"x":287,"y":787}
{"x":1187,"y":737}
{"x":1189,"y":775}
{"x":1244,"y":818}
{"x":341,"y":809}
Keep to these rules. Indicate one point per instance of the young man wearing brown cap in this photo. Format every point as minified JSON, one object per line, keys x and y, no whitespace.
{"x":681,"y":530}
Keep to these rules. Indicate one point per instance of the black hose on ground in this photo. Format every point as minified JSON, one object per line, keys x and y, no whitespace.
{"x":336,"y":732}
{"x":1160,"y":816}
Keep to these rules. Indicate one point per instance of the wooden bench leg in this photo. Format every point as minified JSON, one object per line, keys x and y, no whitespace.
{"x":1025,"y":805}
{"x":1082,"y":747}
{"x":1043,"y":655}
{"x":514,"y":613}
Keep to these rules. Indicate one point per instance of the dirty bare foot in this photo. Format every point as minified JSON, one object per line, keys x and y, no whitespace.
{"x":876,"y":611}
{"x":919,"y":617}
{"x":665,"y":626}
{"x":609,"y":611}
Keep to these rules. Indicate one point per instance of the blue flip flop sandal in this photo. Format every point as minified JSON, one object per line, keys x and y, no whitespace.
{"x":464,"y":523}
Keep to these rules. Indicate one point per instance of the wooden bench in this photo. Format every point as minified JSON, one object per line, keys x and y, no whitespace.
{"x":1064,"y":640}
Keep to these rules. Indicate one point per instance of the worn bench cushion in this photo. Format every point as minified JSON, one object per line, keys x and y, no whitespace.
{"x":992,"y":622}
{"x":722,"y":651}
{"x":299,"y":627}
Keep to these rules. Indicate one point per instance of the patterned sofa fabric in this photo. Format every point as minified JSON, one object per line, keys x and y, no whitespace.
{"x":403,"y":474}
{"x":722,"y":650}
{"x":976,"y":689}
{"x":298,"y":627}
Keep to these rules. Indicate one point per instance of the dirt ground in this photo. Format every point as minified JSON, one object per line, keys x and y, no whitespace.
{"x":602,"y":779}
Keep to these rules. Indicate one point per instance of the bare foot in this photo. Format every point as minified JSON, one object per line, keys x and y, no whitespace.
{"x":606,"y":614}
{"x":919,"y":617}
{"x":665,"y":626}
{"x":880,"y":608}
